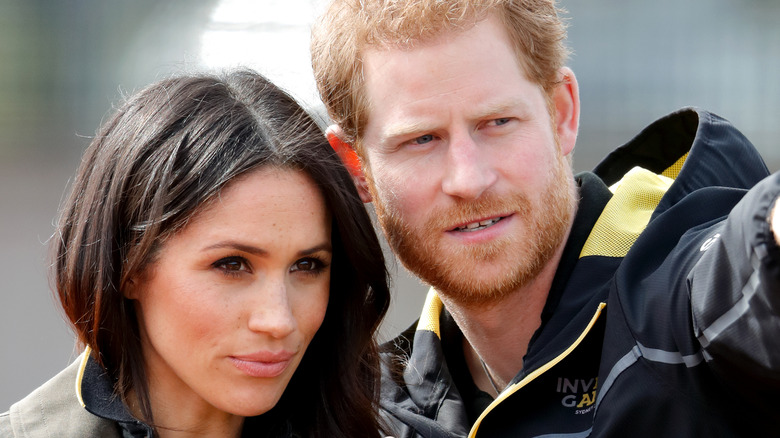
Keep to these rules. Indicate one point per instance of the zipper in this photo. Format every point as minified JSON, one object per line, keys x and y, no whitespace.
{"x":511,"y":389}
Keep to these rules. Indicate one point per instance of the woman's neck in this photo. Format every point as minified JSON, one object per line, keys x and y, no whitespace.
{"x":181,"y":417}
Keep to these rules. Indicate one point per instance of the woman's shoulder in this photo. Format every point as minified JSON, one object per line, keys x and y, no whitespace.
{"x":5,"y":425}
{"x":55,"y":409}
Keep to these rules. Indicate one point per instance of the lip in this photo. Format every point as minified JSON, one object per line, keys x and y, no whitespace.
{"x":501,"y":216}
{"x":480,"y":236}
{"x":264,"y":364}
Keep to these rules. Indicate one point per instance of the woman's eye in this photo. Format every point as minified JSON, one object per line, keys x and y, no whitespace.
{"x":232,"y":265}
{"x":308,"y":265}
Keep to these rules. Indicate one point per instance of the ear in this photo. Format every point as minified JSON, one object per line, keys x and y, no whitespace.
{"x":130,"y":289}
{"x":350,"y":158}
{"x":566,"y":102}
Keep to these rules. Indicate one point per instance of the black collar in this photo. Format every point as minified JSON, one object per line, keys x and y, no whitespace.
{"x":594,"y":195}
{"x":99,"y":397}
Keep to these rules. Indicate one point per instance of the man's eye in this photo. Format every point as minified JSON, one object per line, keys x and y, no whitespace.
{"x":423,"y":139}
{"x":498,"y":122}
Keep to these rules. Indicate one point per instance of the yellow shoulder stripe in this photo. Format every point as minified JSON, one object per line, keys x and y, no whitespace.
{"x":429,"y":319}
{"x":627,"y":213}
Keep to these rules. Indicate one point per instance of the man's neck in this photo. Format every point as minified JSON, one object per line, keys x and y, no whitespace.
{"x":498,"y":333}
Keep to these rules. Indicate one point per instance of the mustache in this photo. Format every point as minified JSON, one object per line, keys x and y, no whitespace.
{"x":487,"y":206}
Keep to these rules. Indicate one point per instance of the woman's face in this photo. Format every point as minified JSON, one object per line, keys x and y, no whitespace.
{"x":232,"y":301}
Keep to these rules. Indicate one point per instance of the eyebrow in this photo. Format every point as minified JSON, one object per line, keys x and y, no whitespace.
{"x":400,"y":130}
{"x":325,"y":246}
{"x":498,"y":108}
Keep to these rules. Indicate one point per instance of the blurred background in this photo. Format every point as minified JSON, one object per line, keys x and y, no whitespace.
{"x":64,"y":64}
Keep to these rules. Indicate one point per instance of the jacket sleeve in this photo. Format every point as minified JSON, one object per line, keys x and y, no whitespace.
{"x":5,"y":426}
{"x":735,"y":293}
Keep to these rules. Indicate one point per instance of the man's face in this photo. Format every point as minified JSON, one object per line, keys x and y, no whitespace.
{"x":468,"y":180}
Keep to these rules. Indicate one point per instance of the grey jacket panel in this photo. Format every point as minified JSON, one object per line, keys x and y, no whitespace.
{"x":54,"y":410}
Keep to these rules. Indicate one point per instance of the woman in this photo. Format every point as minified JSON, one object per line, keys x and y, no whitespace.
{"x":211,"y":238}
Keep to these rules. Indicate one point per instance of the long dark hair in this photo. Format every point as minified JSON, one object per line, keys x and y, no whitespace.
{"x":164,"y":155}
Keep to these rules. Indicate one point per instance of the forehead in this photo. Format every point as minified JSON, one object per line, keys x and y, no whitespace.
{"x":289,"y":188}
{"x":268,"y":193}
{"x":476,"y":68}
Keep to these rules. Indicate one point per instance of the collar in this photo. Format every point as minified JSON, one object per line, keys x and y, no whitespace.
{"x":95,"y":390}
{"x":594,"y":195}
{"x":694,"y":147}
{"x":569,"y":308}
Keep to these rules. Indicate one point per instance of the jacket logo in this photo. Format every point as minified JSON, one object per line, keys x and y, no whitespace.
{"x":709,"y":242}
{"x":578,"y":393}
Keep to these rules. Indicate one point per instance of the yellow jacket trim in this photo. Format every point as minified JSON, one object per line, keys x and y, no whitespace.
{"x":80,"y":375}
{"x":508,"y":391}
{"x":429,"y":320}
{"x":627,"y":213}
{"x":674,"y":170}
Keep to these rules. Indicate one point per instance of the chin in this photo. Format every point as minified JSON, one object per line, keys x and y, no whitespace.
{"x":249,"y":402}
{"x":250,"y":410}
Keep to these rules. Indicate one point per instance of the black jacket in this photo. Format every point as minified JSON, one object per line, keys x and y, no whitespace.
{"x":663,"y":318}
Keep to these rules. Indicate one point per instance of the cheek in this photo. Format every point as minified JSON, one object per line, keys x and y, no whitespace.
{"x":184,"y":314}
{"x":207,"y":318}
{"x":528,"y":168}
{"x":310,"y":311}
{"x":406,"y":191}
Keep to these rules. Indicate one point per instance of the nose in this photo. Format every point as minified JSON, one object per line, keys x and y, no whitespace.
{"x":270,"y":311}
{"x":468,"y":172}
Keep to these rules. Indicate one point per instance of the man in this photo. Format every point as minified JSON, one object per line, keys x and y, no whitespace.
{"x":641,"y":299}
